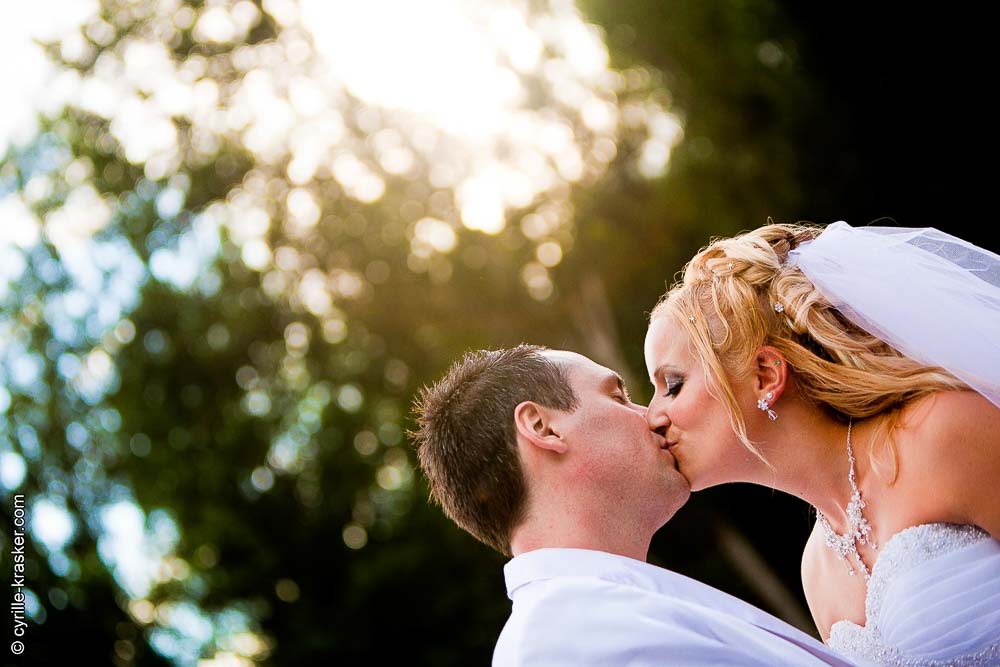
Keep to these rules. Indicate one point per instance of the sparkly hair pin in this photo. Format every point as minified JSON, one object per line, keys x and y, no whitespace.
{"x":778,"y":308}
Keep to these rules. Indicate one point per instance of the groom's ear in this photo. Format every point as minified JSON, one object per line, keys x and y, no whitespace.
{"x":771,"y":372}
{"x":533,"y":423}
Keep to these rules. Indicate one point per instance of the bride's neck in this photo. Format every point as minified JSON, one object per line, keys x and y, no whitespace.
{"x":809,"y":460}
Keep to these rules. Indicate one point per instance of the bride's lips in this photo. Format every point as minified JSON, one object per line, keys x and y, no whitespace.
{"x":665,"y":446}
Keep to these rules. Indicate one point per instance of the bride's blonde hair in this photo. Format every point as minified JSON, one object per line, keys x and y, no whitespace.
{"x":738,"y":294}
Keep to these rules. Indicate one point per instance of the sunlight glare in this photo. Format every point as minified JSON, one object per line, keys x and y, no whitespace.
{"x":20,"y":226}
{"x":481,"y":205}
{"x":23,"y":66}
{"x":83,"y":214}
{"x":436,"y":233}
{"x":425,"y":57}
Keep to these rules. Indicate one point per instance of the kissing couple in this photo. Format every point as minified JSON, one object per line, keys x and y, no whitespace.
{"x":855,"y":367}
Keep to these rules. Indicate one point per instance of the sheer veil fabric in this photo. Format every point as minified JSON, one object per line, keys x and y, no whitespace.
{"x":932,"y":296}
{"x":934,"y":595}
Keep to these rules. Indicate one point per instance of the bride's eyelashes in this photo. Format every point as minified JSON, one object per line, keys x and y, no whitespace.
{"x":674,"y":386}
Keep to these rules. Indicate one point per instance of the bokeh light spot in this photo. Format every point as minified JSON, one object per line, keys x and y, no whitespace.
{"x":355,"y":536}
{"x":286,"y":590}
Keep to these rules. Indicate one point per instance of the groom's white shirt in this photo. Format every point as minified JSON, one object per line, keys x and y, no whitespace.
{"x":575,"y":607}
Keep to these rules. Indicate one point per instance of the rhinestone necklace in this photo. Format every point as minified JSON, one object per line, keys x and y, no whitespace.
{"x":858,"y":529}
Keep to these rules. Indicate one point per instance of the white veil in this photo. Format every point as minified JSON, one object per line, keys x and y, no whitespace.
{"x":930,"y":295}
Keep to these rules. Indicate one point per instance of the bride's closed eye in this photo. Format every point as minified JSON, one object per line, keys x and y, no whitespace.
{"x":674,"y":385}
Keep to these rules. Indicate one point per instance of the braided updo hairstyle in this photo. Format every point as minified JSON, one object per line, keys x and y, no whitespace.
{"x":739,"y":294}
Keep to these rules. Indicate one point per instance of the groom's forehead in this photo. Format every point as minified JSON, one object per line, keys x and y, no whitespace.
{"x":581,"y":369}
{"x":563,"y":356}
{"x":571,"y":361}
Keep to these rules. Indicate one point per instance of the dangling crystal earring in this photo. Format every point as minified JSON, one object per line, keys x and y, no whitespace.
{"x":764,"y":405}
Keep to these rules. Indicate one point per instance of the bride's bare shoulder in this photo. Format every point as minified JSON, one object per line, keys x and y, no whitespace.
{"x":939,"y":425}
{"x":948,"y":457}
{"x":950,"y":412}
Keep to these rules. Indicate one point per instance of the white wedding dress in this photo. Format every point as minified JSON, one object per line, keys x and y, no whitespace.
{"x":933,"y":601}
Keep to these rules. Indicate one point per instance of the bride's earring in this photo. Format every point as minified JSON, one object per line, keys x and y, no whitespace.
{"x":764,"y":404}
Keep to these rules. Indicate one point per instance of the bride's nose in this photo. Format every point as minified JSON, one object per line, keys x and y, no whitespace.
{"x":657,"y":417}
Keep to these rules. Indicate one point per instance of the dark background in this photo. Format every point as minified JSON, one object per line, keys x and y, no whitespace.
{"x":907,"y":87}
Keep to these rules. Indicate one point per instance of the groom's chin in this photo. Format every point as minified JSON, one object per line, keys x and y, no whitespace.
{"x":679,"y":493}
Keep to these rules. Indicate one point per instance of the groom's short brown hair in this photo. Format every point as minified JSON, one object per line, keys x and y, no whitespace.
{"x":466,"y":440}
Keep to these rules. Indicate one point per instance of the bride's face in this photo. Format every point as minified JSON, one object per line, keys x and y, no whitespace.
{"x":696,"y":424}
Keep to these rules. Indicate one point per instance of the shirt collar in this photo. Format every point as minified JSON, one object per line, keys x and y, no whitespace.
{"x":543,"y":564}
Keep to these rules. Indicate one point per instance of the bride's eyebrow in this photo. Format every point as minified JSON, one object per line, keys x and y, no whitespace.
{"x":662,"y":372}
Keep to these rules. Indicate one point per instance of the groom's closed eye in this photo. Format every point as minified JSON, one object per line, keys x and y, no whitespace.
{"x":619,"y":390}
{"x":614,"y":386}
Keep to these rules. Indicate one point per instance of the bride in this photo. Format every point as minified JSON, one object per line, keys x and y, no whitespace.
{"x":859,"y":369}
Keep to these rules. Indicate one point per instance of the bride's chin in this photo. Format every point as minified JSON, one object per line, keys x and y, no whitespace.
{"x":698,"y":482}
{"x":685,"y":472}
{"x":695,"y":486}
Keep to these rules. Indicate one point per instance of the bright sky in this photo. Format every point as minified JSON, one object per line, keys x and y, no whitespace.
{"x":23,"y":67}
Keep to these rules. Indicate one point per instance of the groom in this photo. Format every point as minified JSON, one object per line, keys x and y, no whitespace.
{"x":542,"y":455}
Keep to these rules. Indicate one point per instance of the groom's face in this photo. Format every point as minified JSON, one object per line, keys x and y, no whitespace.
{"x":613,"y":449}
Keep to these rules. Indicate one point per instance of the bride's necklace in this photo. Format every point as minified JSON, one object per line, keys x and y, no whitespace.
{"x":858,"y":529}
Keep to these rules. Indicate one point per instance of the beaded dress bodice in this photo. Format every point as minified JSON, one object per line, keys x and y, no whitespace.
{"x":933,"y":600}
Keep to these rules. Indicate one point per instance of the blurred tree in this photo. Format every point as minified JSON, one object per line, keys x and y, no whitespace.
{"x":234,"y":274}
